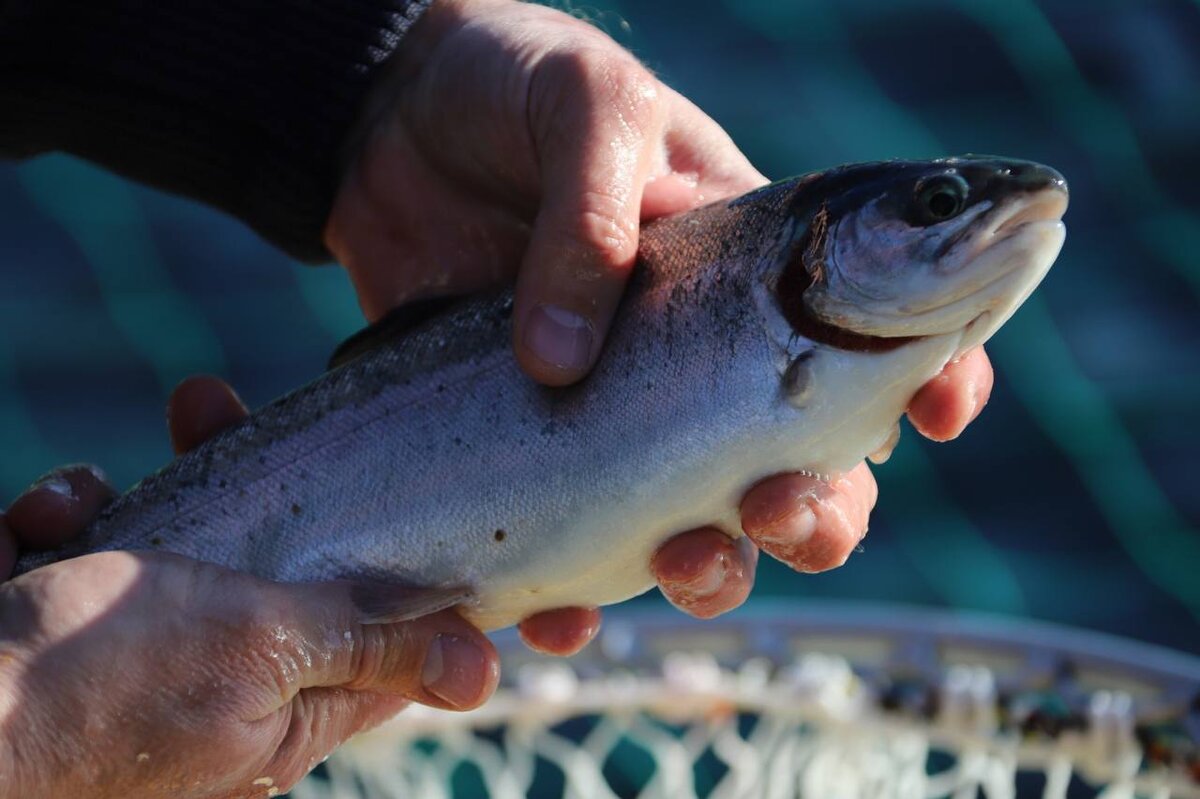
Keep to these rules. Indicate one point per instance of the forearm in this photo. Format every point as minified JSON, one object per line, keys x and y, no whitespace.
{"x":242,"y":104}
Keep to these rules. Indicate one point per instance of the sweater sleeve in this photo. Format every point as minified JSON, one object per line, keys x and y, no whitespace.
{"x":241,"y":104}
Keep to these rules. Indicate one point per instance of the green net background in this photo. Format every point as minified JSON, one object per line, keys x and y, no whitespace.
{"x":1074,"y":498}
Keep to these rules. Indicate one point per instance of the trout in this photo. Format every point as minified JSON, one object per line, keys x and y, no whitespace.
{"x":783,"y":330}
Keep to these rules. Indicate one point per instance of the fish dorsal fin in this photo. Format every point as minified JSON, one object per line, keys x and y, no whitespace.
{"x":397,"y":324}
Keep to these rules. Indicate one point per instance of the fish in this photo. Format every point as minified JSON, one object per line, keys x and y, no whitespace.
{"x":783,"y":330}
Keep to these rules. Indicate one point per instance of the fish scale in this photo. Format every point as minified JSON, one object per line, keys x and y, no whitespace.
{"x":431,"y":460}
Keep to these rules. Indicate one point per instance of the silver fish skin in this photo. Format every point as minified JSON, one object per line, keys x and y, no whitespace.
{"x":783,"y":330}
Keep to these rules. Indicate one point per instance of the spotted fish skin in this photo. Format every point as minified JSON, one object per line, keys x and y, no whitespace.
{"x":433,"y":461}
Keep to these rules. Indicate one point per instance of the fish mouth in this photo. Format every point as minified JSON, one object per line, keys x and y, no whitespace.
{"x":1039,"y":214}
{"x":1047,"y":208}
{"x":1039,"y":221}
{"x":1016,"y":246}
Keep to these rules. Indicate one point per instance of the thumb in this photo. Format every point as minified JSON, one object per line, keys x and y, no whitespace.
{"x":335,"y":676}
{"x":597,"y":120}
{"x":439,"y":659}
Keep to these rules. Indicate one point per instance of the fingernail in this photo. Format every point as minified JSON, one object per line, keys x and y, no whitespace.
{"x":977,"y":401}
{"x":707,"y":583}
{"x":96,"y":472}
{"x":789,"y":531}
{"x":455,"y":670}
{"x":559,"y":337}
{"x":56,"y":485}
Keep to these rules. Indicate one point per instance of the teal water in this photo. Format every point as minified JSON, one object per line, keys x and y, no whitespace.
{"x":1073,"y":498}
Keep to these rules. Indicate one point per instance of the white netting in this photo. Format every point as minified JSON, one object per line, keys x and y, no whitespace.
{"x":829,"y":726}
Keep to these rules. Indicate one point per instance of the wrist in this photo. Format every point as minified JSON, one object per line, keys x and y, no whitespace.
{"x":434,"y":21}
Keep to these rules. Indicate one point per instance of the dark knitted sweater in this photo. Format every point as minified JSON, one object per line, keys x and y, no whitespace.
{"x":238,"y":103}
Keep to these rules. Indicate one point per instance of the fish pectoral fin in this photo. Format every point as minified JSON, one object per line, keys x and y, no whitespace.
{"x":385,"y":603}
{"x":396,"y":324}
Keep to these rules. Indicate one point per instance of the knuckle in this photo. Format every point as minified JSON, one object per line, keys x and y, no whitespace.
{"x":599,"y":79}
{"x":384,"y":658}
{"x":366,"y":657}
{"x":629,"y":87}
{"x":603,"y":226}
{"x":608,"y":71}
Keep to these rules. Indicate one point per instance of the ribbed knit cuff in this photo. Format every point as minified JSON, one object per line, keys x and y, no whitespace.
{"x":242,"y":104}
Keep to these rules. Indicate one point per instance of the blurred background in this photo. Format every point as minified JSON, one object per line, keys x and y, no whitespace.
{"x":1074,"y":498}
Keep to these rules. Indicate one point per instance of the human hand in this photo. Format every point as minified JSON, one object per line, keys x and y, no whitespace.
{"x":149,"y":675}
{"x":511,"y":142}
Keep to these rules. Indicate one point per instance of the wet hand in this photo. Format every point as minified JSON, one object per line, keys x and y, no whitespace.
{"x":147,"y":674}
{"x":510,"y":141}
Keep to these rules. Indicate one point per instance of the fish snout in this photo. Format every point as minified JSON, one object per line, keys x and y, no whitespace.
{"x":998,"y":179}
{"x":1031,"y":176}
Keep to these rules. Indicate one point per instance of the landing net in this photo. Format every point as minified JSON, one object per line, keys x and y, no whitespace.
{"x":830,"y":703}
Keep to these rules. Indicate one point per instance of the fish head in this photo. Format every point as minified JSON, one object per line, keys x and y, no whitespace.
{"x":887,"y":252}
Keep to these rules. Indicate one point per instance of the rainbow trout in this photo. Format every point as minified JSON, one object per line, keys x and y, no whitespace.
{"x":783,"y":330}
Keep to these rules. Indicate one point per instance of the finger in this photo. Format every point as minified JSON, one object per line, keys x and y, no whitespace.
{"x":945,"y":405}
{"x":8,"y":550}
{"x":704,"y":572}
{"x":59,"y":506}
{"x":807,"y":523}
{"x":438,"y":660}
{"x":563,"y":631}
{"x":597,"y":123}
{"x":199,"y":408}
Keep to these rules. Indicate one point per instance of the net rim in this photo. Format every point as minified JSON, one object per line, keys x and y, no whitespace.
{"x":636,"y":638}
{"x":641,"y":665}
{"x":964,"y":625}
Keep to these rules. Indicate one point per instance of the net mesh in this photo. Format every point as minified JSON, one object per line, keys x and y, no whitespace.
{"x":666,"y":712}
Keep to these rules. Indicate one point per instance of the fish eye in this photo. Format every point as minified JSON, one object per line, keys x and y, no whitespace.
{"x":939,"y":199}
